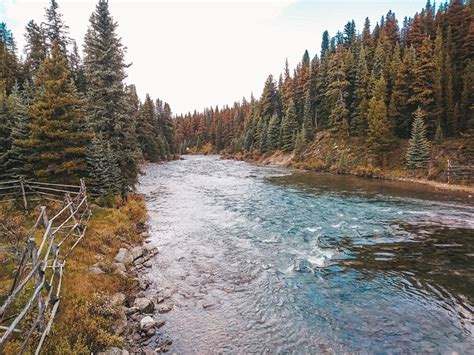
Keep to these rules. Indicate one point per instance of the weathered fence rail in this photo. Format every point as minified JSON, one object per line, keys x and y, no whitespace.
{"x":36,"y":284}
{"x":457,"y":172}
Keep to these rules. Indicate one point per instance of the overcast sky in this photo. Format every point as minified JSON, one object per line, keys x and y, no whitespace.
{"x":194,"y":54}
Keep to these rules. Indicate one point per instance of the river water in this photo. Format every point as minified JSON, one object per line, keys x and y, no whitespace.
{"x":269,"y":260}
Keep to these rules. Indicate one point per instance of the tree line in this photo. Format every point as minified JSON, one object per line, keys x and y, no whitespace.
{"x":63,"y":117}
{"x":367,"y":83}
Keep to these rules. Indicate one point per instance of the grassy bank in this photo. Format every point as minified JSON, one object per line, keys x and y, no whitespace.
{"x":332,"y":153}
{"x":87,"y":313}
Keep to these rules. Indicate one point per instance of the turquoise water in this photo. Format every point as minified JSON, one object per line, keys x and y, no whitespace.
{"x":267,"y":260}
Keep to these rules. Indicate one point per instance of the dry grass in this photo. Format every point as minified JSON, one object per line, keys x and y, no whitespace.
{"x":86,"y":314}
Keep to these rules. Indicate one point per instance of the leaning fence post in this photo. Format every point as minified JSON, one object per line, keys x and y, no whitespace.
{"x":22,"y":186}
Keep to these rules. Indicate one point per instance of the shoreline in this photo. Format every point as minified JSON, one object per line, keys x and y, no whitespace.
{"x":286,"y":160}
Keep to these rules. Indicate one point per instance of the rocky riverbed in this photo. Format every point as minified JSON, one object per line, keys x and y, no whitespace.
{"x":140,"y":313}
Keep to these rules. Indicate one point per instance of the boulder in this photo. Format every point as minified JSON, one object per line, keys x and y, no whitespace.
{"x":146,"y":323}
{"x":148,"y":264}
{"x":137,"y":252}
{"x":144,"y":305}
{"x":124,"y":257}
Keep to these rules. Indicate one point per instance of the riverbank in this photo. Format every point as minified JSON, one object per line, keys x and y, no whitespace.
{"x":349,"y":156}
{"x":102,"y":300}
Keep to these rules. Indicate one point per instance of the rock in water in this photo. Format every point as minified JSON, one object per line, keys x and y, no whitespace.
{"x":144,"y":305}
{"x":147,"y":323}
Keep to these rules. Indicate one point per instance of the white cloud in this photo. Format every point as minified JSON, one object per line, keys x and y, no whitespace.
{"x":194,"y":54}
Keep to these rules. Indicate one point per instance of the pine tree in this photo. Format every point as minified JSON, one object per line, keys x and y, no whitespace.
{"x":418,"y":152}
{"x":307,"y":127}
{"x":361,"y":95}
{"x":8,"y":59}
{"x":108,"y":110}
{"x":168,"y":128}
{"x":289,"y":128}
{"x":103,"y":169}
{"x":467,"y":98}
{"x":423,"y":86}
{"x":17,"y":157}
{"x":5,"y":131}
{"x":324,"y":44}
{"x":56,"y":30}
{"x":146,"y":131}
{"x":35,"y":49}
{"x":337,"y":89}
{"x":273,"y":135}
{"x":379,"y":135}
{"x":58,"y":137}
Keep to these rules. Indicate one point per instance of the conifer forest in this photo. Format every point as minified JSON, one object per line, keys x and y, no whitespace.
{"x":329,"y":212}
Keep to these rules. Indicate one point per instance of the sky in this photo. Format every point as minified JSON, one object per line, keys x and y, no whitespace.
{"x":196,"y":54}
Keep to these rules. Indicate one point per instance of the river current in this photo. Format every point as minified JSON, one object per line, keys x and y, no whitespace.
{"x":270,"y":260}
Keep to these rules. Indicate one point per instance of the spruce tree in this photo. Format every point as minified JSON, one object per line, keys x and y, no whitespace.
{"x":5,"y":132}
{"x":35,"y":49}
{"x":17,"y":158}
{"x":379,"y":135}
{"x":103,"y":169}
{"x":108,"y":111}
{"x":418,"y":152}
{"x":56,"y":30}
{"x":423,"y":86}
{"x":289,"y":128}
{"x":58,"y":137}
{"x":273,"y":134}
{"x":307,"y":127}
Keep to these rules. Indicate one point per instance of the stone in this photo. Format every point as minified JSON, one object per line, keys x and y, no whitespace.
{"x":136,"y":337}
{"x":148,"y":264}
{"x":120,"y":324}
{"x":136,"y":252}
{"x":146,"y":323}
{"x":165,"y":308}
{"x":151,"y":332}
{"x":148,"y":351}
{"x":95,"y":269}
{"x":119,"y":267}
{"x":144,"y":305}
{"x":131,"y":310}
{"x":139,"y":261}
{"x":118,"y":298}
{"x":114,"y":351}
{"x":123,"y":256}
{"x":144,"y":234}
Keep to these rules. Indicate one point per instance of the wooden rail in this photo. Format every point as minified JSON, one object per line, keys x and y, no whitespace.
{"x":38,"y":276}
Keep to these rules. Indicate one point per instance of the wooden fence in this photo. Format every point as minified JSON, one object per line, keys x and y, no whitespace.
{"x":36,"y":286}
{"x":456,"y":172}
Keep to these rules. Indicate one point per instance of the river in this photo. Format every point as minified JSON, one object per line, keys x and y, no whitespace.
{"x":270,"y":260}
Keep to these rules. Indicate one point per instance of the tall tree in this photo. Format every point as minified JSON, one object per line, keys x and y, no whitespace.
{"x":108,"y":110}
{"x":58,"y":138}
{"x":289,"y":128}
{"x":379,"y":135}
{"x":56,"y":30}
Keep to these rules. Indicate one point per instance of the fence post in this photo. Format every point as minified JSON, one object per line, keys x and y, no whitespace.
{"x":449,"y":171}
{"x":22,"y":186}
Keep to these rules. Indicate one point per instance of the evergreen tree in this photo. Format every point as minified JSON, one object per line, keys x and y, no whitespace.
{"x":324,"y":44}
{"x":16,"y":163}
{"x":337,"y":88}
{"x":274,"y":133}
{"x":418,"y":152}
{"x":379,"y":135}
{"x":58,"y":137}
{"x":56,"y":30}
{"x":307,"y":127}
{"x":147,"y":136}
{"x":5,"y":131}
{"x":108,"y":110}
{"x":8,"y":59}
{"x":35,"y":49}
{"x":103,"y":169}
{"x":423,"y":86}
{"x":361,"y":95}
{"x":289,"y":128}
